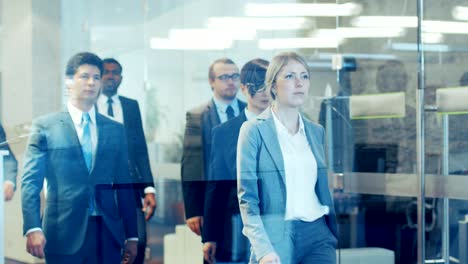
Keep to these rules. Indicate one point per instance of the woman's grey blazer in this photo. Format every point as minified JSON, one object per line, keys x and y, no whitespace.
{"x":261,"y":182}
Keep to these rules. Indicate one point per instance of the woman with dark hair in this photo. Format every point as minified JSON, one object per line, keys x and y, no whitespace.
{"x":222,"y":232}
{"x":286,"y":206}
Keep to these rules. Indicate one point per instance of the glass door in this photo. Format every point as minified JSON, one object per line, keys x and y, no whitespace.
{"x":445,"y":140}
{"x":397,"y":123}
{"x":376,"y":109}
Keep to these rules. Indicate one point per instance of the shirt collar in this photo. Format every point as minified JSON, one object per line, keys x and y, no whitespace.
{"x":103,"y":98}
{"x":249,"y":115}
{"x":76,"y":114}
{"x":221,"y":106}
{"x":282,"y":129}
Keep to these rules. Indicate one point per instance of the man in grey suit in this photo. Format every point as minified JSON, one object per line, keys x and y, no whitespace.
{"x":10,"y":168}
{"x":224,"y":81}
{"x":89,"y":213}
{"x":127,"y":112}
{"x":222,"y":232}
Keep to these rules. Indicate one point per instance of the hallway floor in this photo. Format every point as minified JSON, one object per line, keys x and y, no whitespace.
{"x":156,"y":232}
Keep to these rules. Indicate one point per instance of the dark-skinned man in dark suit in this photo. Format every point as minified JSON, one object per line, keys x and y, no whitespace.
{"x":127,"y":111}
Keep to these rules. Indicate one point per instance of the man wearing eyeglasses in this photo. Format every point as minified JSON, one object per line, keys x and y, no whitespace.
{"x":222,"y":234}
{"x":223,"y":77}
{"x":127,"y":112}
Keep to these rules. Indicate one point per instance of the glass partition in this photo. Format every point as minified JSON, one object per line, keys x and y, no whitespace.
{"x":447,"y":60}
{"x":365,"y":76}
{"x":381,"y":123}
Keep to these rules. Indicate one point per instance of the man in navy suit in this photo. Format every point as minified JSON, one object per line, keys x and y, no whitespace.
{"x":222,"y":232}
{"x":89,"y":210}
{"x":223,"y":77}
{"x":10,"y":168}
{"x":127,"y":112}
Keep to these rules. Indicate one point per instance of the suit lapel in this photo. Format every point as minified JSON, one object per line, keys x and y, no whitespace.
{"x":268,"y":132}
{"x":241,"y":105}
{"x":213,"y":114}
{"x":125,"y":111}
{"x":70,"y":132}
{"x":321,"y":188}
{"x":312,"y":134}
{"x":101,"y":139}
{"x":235,"y":125}
{"x":231,"y":149}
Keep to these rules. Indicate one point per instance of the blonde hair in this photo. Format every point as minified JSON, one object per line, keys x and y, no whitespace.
{"x":277,"y":63}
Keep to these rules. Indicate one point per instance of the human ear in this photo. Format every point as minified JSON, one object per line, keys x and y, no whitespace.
{"x":68,"y":81}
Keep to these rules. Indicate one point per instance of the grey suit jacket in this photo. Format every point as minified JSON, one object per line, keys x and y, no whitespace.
{"x":54,"y":154}
{"x":261,"y":182}
{"x":140,"y":168}
{"x":196,"y":155}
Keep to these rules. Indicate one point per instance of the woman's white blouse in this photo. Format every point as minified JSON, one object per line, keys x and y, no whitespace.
{"x":300,"y":167}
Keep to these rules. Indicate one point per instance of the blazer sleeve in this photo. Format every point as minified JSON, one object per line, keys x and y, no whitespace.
{"x":217,"y":190}
{"x":248,"y":147}
{"x":141,"y":151}
{"x":10,"y":164}
{"x":33,"y":178}
{"x":124,"y":189}
{"x":193,"y":186}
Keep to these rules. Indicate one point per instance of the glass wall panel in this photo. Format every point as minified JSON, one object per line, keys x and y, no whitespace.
{"x":363,"y":57}
{"x":379,"y":104}
{"x":445,"y":66}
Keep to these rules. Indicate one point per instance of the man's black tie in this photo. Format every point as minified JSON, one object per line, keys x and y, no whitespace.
{"x":230,"y":112}
{"x":110,"y":111}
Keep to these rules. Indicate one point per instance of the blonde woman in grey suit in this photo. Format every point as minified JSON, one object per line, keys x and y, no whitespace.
{"x":284,"y":200}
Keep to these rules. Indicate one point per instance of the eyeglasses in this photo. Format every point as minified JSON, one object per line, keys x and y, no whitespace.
{"x":226,"y":77}
{"x":256,"y":87}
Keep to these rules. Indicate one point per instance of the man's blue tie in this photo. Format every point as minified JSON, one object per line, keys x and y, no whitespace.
{"x":87,"y":148}
{"x":86,"y":144}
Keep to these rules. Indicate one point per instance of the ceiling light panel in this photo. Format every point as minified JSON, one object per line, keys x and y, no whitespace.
{"x":349,"y":32}
{"x":258,"y":23}
{"x":385,"y":21}
{"x":193,"y":44}
{"x":301,"y":9}
{"x":209,"y":33}
{"x":298,"y":43}
{"x":460,"y":12}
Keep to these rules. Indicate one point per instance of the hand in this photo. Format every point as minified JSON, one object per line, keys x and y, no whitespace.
{"x":270,"y":258}
{"x":130,"y":252}
{"x":209,"y":252}
{"x":35,"y":244}
{"x":8,"y":190}
{"x":195,"y":224}
{"x":149,"y":205}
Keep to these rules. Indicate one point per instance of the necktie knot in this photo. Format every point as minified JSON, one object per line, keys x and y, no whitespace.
{"x":109,"y":100}
{"x":230,"y":112}
{"x":85,"y":118}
